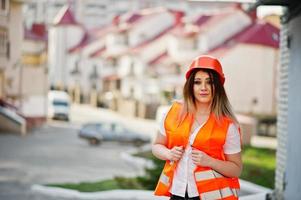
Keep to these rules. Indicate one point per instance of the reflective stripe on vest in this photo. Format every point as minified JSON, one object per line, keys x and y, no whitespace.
{"x":206,"y":175}
{"x":219,"y":194}
{"x":164,"y":179}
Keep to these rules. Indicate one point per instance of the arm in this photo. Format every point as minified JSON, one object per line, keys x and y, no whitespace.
{"x":231,"y":167}
{"x":160,"y":150}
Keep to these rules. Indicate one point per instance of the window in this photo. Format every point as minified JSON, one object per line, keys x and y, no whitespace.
{"x":4,"y":6}
{"x":118,"y":129}
{"x":60,"y":103}
{"x":4,"y":44}
{"x":132,"y":69}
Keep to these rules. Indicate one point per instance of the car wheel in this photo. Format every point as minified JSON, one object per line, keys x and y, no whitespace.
{"x":138,"y":143}
{"x":94,"y":141}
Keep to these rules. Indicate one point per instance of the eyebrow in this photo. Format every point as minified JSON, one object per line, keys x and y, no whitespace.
{"x":208,"y":78}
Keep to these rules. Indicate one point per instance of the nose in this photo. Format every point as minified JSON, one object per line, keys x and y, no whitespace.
{"x":203,"y":86}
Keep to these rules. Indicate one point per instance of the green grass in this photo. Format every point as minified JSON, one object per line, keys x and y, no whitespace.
{"x":259,"y":168}
{"x":111,"y":184}
{"x":90,"y":187}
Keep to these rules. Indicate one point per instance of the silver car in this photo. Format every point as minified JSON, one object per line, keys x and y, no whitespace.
{"x":96,"y":133}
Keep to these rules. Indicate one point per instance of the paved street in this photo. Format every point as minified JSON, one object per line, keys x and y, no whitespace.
{"x":54,"y":154}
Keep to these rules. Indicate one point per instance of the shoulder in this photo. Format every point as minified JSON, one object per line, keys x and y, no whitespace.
{"x":233,"y":140}
{"x":229,"y":121}
{"x":233,"y":128}
{"x":173,"y":114}
{"x":178,"y":102}
{"x":163,"y":110}
{"x":176,"y":105}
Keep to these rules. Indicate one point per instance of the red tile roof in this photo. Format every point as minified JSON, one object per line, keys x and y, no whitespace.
{"x":65,"y":17}
{"x":91,"y":36}
{"x":98,"y":52}
{"x":201,"y":20}
{"x":262,"y":33}
{"x":133,"y":18}
{"x":149,"y":41}
{"x":182,"y":31}
{"x":84,"y":41}
{"x":37,"y":32}
{"x":129,"y":20}
{"x":259,"y":33}
{"x":158,"y":58}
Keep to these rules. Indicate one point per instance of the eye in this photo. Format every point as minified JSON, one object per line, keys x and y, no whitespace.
{"x":197,"y":82}
{"x":209,"y":82}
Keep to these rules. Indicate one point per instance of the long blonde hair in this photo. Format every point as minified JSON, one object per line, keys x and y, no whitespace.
{"x":220,"y":105}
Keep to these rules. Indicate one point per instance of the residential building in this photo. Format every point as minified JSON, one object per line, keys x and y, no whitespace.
{"x":11,"y":36}
{"x":34,"y":76}
{"x":65,"y":34}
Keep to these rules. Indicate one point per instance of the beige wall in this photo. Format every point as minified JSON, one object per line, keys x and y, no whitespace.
{"x":15,"y":31}
{"x":251,"y":72}
{"x":12,"y":22}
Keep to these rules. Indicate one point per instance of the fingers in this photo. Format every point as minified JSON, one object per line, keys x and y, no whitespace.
{"x":197,"y":156}
{"x":195,"y":159}
{"x":176,"y":153}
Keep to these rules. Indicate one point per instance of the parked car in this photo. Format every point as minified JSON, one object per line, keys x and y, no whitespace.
{"x":96,"y":133}
{"x":58,"y":105}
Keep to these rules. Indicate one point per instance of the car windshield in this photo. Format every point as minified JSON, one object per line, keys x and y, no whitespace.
{"x":60,"y":103}
{"x":92,"y":126}
{"x":117,"y":128}
{"x":112,"y":128}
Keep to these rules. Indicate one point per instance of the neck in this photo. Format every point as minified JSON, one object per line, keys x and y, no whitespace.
{"x":203,"y":109}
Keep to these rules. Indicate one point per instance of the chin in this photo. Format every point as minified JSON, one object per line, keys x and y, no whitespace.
{"x":204,"y":101}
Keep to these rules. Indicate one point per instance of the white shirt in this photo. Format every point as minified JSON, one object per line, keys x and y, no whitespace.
{"x":184,"y":174}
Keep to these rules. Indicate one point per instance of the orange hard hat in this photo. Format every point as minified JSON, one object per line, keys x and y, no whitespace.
{"x":206,"y":62}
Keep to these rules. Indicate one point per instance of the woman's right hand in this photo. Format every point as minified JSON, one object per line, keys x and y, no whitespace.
{"x":175,"y":153}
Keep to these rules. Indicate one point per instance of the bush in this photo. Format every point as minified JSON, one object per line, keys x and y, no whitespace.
{"x":149,"y":181}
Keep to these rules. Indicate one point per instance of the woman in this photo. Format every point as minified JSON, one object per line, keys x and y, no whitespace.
{"x":200,"y":139}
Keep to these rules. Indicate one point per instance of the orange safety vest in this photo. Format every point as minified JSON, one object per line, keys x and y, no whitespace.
{"x":210,"y":139}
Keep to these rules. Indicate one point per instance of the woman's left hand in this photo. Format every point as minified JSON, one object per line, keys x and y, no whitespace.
{"x":200,"y":158}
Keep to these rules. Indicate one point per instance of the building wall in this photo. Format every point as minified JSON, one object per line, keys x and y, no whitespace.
{"x":293,"y":163}
{"x":150,"y":27}
{"x":15,"y":31}
{"x":10,"y":61}
{"x":182,"y":48}
{"x":154,"y":49}
{"x":61,"y":39}
{"x":250,"y":72}
{"x":282,"y":113}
